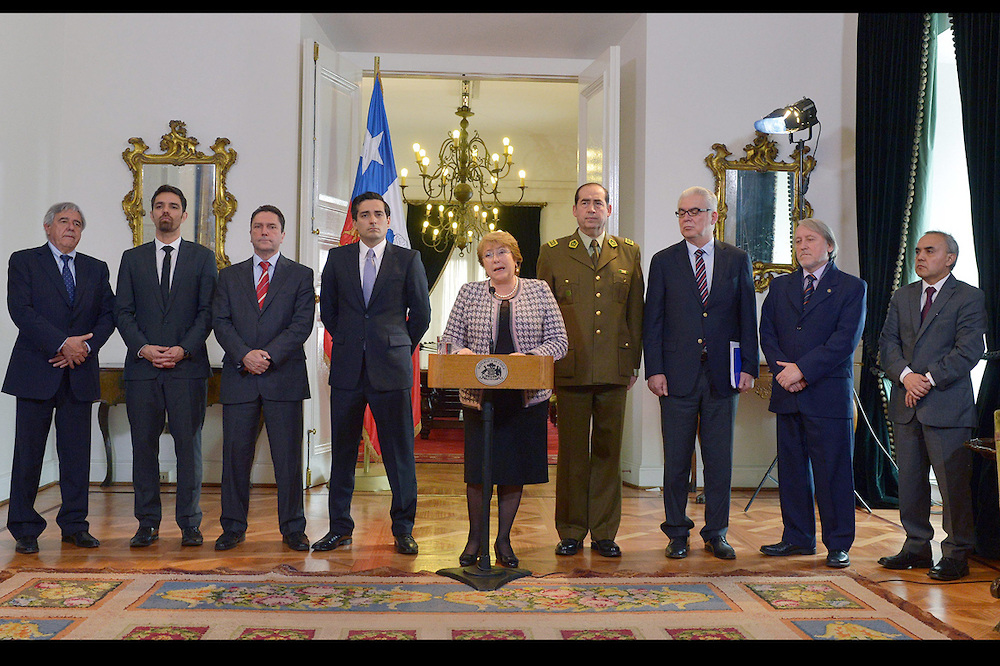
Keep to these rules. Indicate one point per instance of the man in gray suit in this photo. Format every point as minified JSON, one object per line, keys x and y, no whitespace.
{"x":164,"y":314}
{"x":931,"y":340}
{"x":263,"y":312}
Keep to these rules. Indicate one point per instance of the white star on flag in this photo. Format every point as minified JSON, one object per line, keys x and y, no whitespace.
{"x":370,"y":150}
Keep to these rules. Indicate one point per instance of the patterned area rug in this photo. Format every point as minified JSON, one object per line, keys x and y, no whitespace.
{"x":392,"y":605}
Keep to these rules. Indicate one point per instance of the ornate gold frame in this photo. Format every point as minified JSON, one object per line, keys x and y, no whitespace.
{"x":178,"y":150}
{"x":761,"y":155}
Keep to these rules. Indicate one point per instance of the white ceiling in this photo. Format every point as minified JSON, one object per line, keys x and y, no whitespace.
{"x":532,"y":35}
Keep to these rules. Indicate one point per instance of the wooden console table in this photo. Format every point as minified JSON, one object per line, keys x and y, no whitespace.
{"x":113,"y":393}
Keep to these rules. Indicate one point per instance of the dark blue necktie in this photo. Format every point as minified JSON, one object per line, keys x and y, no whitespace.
{"x":67,"y":275}
{"x":807,"y":294}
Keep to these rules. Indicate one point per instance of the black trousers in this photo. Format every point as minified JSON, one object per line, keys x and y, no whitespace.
{"x":240,"y":428}
{"x":33,"y":421}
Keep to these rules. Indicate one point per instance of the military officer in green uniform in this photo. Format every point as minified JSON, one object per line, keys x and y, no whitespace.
{"x":597,"y":281}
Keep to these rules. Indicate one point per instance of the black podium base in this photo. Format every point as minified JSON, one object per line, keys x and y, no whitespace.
{"x":484,"y":579}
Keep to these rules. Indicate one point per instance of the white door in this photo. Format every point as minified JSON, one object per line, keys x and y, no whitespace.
{"x":599,"y":128}
{"x":331,"y":143}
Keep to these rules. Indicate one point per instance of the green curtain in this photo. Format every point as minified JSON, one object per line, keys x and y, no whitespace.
{"x":977,"y":54}
{"x":889,"y":76}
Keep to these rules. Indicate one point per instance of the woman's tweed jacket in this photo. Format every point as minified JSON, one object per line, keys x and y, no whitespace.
{"x":535,"y":319}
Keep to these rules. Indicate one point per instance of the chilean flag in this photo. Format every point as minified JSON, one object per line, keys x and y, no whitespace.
{"x":377,"y":173}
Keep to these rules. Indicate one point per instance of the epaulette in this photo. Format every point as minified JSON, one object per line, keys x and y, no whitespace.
{"x":553,"y":242}
{"x":612,"y":242}
{"x":629,"y":241}
{"x":574,"y":243}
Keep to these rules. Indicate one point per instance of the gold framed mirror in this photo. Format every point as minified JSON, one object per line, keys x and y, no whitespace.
{"x":201,"y":177}
{"x":760,"y":203}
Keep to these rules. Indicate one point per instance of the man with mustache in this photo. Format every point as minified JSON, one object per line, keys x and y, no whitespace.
{"x":164,"y":314}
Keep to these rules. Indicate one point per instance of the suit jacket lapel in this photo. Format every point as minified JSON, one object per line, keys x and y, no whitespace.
{"x":147,"y":266}
{"x":824,"y":288}
{"x":940,"y":298}
{"x":275,"y":285}
{"x":388,"y":265}
{"x":51,"y":268}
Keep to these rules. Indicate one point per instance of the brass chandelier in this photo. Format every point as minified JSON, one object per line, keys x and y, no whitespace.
{"x":465,"y":168}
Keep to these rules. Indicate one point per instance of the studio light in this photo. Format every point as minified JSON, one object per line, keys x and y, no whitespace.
{"x":798,"y":116}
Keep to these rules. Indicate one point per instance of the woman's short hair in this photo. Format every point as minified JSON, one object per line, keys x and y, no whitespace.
{"x":503,"y":239}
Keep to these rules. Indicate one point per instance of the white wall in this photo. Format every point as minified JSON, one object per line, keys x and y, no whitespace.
{"x":82,"y":85}
{"x":705,"y":78}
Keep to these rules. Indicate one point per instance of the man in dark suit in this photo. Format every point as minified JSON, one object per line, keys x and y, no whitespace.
{"x":700,"y":300}
{"x":61,"y":302}
{"x":263,"y":312}
{"x":374,"y":303}
{"x":810,"y":326}
{"x":596,"y":278}
{"x":164,"y":314}
{"x":931,"y":340}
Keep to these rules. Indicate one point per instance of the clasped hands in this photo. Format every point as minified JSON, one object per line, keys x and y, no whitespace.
{"x":73,"y":352}
{"x":790,"y":378}
{"x":257,"y":361}
{"x":917,"y":386}
{"x":162,"y":357}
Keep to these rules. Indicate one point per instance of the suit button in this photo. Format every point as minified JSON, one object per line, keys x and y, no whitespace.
{"x":598,"y":331}
{"x":598,"y":294}
{"x":704,"y":314}
{"x":700,"y":341}
{"x":598,"y":313}
{"x":597,"y":277}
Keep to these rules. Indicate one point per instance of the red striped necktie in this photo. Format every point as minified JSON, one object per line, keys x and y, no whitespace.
{"x":700,"y":275}
{"x":262,"y":284}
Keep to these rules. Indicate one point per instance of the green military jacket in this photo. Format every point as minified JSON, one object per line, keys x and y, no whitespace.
{"x":601,"y":307}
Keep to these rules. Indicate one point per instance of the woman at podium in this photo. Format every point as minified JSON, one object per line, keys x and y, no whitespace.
{"x":504,"y":314}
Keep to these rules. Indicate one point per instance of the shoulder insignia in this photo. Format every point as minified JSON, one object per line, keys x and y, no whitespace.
{"x":553,"y":242}
{"x":574,"y":243}
{"x":629,"y":241}
{"x":623,"y":271}
{"x":612,"y":242}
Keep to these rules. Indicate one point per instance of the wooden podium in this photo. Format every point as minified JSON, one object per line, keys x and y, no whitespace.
{"x":488,"y":372}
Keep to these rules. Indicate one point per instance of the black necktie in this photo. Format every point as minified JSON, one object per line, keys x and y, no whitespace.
{"x":165,"y":273}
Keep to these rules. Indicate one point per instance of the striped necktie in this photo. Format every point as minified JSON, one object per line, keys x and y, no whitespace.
{"x":700,"y":275}
{"x":262,"y":284}
{"x":810,"y":285}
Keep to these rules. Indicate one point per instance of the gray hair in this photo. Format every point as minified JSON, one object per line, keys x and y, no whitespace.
{"x":949,"y":242}
{"x":711,"y":200}
{"x":824,"y":230}
{"x":55,"y":209}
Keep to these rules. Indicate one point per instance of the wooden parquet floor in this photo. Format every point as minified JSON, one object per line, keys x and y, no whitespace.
{"x":442,"y":528}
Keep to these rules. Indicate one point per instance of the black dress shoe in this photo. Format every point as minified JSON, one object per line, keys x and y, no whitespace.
{"x":784,"y":549}
{"x":81,"y":539}
{"x":677,"y":549}
{"x":719,"y":547}
{"x":27,"y":545}
{"x":838,"y":559}
{"x":191,"y":536}
{"x":229,"y":539}
{"x":949,"y":569}
{"x":333,"y":541}
{"x":144,"y":536}
{"x":568,"y":547}
{"x":406,"y":545}
{"x":467,"y":559}
{"x":509,"y":561}
{"x":296,"y":541}
{"x":606,"y":548}
{"x":905,"y":560}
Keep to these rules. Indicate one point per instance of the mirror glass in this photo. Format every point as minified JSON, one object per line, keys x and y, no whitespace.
{"x":760,"y":203}
{"x":201,"y":177}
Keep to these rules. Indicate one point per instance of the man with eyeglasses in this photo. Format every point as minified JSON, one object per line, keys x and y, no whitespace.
{"x":701,"y":314}
{"x":597,"y":280}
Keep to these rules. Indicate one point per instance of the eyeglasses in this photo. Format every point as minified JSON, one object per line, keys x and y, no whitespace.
{"x":500,"y":252}
{"x":693,"y":212}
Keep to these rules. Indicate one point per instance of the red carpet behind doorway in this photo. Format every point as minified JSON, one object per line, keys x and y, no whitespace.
{"x":445,"y":445}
